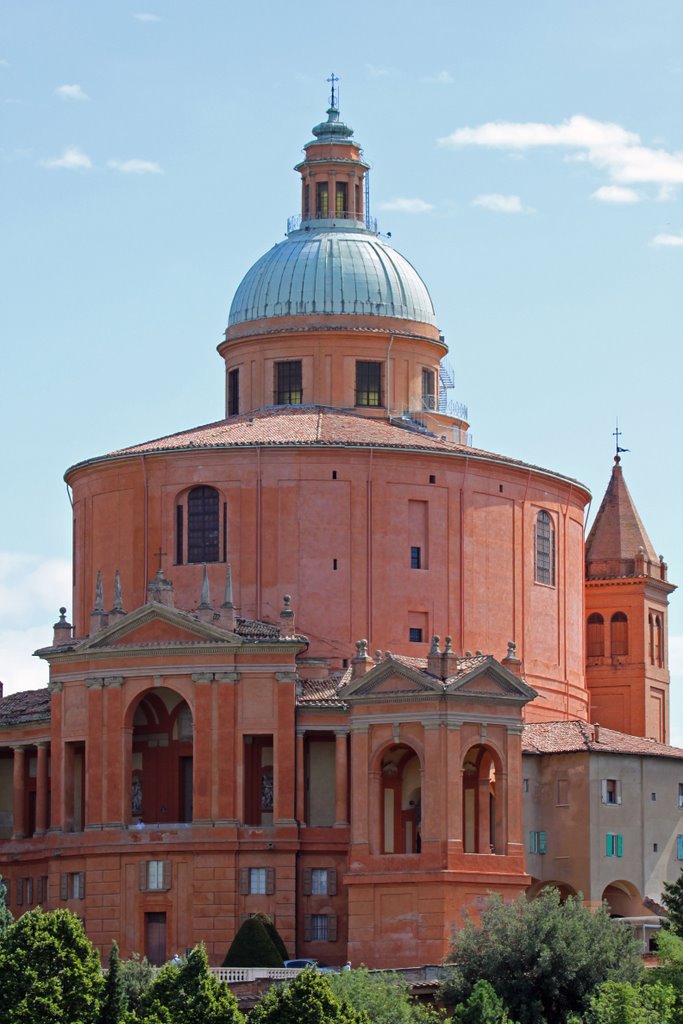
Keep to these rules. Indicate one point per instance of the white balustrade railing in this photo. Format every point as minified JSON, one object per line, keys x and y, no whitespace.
{"x":232,"y":975}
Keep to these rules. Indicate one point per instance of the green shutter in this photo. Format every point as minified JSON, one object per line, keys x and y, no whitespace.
{"x":620,"y":845}
{"x":541,"y":842}
{"x":609,"y":844}
{"x":680,"y":847}
{"x":532,"y":842}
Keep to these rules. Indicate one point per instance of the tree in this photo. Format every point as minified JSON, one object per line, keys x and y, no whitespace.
{"x":273,"y":934}
{"x":190,"y":993}
{"x":5,"y":915}
{"x":543,"y":957}
{"x":308,"y":999}
{"x":484,"y":1006}
{"x":252,"y":947}
{"x":49,"y":971}
{"x":114,"y":1002}
{"x":620,"y":1002}
{"x":137,"y":974}
{"x":672,"y":898}
{"x":384,"y":996}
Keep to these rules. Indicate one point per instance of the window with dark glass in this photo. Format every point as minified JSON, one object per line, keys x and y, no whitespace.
{"x":288,"y":390}
{"x":322,"y":200}
{"x":233,"y":392}
{"x":428,"y":389}
{"x":307,"y":202}
{"x":619,"y":634}
{"x":595,"y":636}
{"x":179,"y":534}
{"x":357,"y":209}
{"x":341,"y":199}
{"x":415,"y":558}
{"x":544,"y":549}
{"x":203,"y":536}
{"x":368,"y":384}
{"x":659,"y":642}
{"x":415,"y":635}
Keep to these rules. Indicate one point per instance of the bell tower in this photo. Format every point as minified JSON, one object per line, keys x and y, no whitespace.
{"x":627,"y":592}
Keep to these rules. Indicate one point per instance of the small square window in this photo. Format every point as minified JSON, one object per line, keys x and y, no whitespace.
{"x":77,"y":885}
{"x":525,"y":785}
{"x":432,"y":478}
{"x":655,"y":847}
{"x":415,"y":635}
{"x":611,"y":791}
{"x":257,"y":881}
{"x":416,"y":558}
{"x":653,"y":796}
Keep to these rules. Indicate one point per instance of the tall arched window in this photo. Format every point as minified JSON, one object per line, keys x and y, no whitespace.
{"x":659,"y":642}
{"x":203,"y":530}
{"x":544,"y":549}
{"x":651,"y":637}
{"x":619,"y":634}
{"x":595,"y":636}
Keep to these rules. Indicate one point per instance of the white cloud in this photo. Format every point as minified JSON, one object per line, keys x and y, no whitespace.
{"x":72,"y":158}
{"x":668,"y":239}
{"x":403,"y":205}
{"x":616,"y":194}
{"x":135,"y":166}
{"x":377,"y":72}
{"x":499,"y":203}
{"x":607,"y":146}
{"x":71,"y":92}
{"x":149,"y":18}
{"x":440,"y":78}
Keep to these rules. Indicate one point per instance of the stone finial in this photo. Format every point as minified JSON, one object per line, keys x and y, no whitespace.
{"x":287,"y":617}
{"x":434,"y":661}
{"x":227,"y":609}
{"x":205,"y":611}
{"x":378,"y":656}
{"x":227,"y":598}
{"x":362,"y":662}
{"x":98,"y":616}
{"x":62,"y":629}
{"x":449,"y":659}
{"x":160,"y":590}
{"x":663,"y":568}
{"x":512,"y":649}
{"x":511,"y":661}
{"x":117,"y":611}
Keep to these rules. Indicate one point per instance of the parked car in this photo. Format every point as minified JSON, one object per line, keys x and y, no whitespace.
{"x":304,"y":962}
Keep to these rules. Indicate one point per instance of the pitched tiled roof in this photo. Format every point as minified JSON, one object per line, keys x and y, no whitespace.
{"x":322,"y":693}
{"x":27,"y":706}
{"x":617,"y":533}
{"x":303,"y":426}
{"x":254,"y":629}
{"x":570,"y":737}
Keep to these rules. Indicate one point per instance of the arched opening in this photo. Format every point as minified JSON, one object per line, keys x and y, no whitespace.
{"x":161,"y":763}
{"x":482,"y":802}
{"x":538,"y":886}
{"x":401,"y":801}
{"x":544,"y":549}
{"x":619,"y":635}
{"x":624,"y":900}
{"x":659,"y":642}
{"x":595,"y":636}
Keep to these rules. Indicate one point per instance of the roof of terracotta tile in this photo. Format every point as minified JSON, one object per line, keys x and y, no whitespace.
{"x":254,"y":629}
{"x":307,"y":425}
{"x":570,"y":737}
{"x":27,"y":706}
{"x":321,"y":693}
{"x":617,"y":533}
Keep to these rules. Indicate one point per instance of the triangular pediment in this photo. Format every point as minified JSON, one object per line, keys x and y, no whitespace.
{"x":391,"y":678}
{"x":157,"y":624}
{"x":489,"y":680}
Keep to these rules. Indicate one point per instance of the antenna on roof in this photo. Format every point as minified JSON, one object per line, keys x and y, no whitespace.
{"x":332,"y":80}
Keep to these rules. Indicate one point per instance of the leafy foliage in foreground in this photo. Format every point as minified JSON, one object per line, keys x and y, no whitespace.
{"x":544,"y":958}
{"x":384,"y":996}
{"x":672,"y":898}
{"x":189,"y":994}
{"x":306,"y":1000}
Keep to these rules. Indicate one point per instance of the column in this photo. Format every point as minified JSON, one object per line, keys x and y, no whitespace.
{"x":201,"y":749}
{"x":68,"y":815}
{"x":301,"y":779}
{"x":454,"y":789}
{"x":483,"y":815}
{"x":360,"y":785}
{"x":341,"y":797}
{"x":113,"y":756}
{"x":93,"y":758}
{"x":19,"y":791}
{"x":56,"y":758}
{"x":284,"y":749}
{"x":431,"y":782}
{"x":227,"y":747}
{"x":41,"y":790}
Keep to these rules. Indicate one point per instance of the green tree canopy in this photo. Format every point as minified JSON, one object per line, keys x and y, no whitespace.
{"x":308,"y":999}
{"x":620,"y":1002}
{"x":274,"y":935}
{"x":5,"y":915}
{"x":252,"y":947}
{"x":49,"y":971}
{"x":672,"y":898}
{"x":137,"y":974}
{"x":384,"y":996}
{"x":484,"y":1006}
{"x":190,"y":993}
{"x":114,"y":1001}
{"x":543,"y":957}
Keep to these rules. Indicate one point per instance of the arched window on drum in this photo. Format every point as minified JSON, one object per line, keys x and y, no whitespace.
{"x":544,"y":549}
{"x":595,"y":636}
{"x":201,"y":527}
{"x":619,"y":634}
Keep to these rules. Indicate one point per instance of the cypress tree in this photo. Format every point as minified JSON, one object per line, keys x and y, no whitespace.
{"x":114,"y":1001}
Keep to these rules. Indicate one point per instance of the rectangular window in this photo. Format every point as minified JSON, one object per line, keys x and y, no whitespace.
{"x":73,"y":886}
{"x":322,"y":200}
{"x":415,"y":558}
{"x":179,"y":534}
{"x":288,"y":386}
{"x":155,"y":874}
{"x":679,"y":847}
{"x":537,"y":842}
{"x":525,"y":785}
{"x":680,"y":794}
{"x":233,"y":392}
{"x":320,"y":882}
{"x":42,"y":889}
{"x":415,"y":635}
{"x":563,"y":792}
{"x":257,"y":881}
{"x":614,"y":844}
{"x":428,"y":390}
{"x":611,"y":791}
{"x":319,"y":928}
{"x":369,"y":384}
{"x":341,"y":200}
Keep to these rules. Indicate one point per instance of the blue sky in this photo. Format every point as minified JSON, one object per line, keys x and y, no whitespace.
{"x":527,"y":158}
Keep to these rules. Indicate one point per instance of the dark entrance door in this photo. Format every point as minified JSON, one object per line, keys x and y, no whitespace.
{"x":155,"y":938}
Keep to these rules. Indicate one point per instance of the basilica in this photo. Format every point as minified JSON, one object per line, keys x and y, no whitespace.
{"x":327,"y":660}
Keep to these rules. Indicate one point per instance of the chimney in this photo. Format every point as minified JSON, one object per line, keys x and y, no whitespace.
{"x":160,"y":590}
{"x":287,"y":617}
{"x":434,"y":660}
{"x":596,"y":732}
{"x":98,"y":616}
{"x":62,"y":629}
{"x":362,"y":662}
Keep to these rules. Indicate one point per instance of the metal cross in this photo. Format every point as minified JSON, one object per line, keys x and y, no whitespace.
{"x":332,"y":79}
{"x":617,"y":433}
{"x":158,"y":554}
